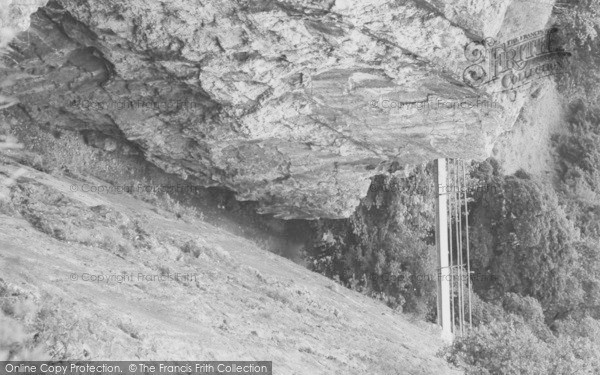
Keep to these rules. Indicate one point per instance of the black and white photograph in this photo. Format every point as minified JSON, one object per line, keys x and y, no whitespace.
{"x":300,"y":187}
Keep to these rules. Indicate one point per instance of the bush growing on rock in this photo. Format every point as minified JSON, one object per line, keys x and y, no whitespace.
{"x":501,"y":348}
{"x":510,"y":346}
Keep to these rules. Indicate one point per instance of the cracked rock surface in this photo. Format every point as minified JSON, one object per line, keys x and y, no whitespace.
{"x":293,"y":104}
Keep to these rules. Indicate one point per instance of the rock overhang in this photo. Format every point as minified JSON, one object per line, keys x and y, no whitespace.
{"x":294,"y":105}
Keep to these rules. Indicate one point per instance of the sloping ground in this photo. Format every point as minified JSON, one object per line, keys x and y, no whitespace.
{"x":232,"y":300}
{"x":527,"y":145}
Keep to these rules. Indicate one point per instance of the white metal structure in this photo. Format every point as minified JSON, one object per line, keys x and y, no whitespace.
{"x":453,"y":252}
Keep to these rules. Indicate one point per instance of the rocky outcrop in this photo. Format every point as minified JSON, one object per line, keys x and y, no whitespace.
{"x":293,"y":104}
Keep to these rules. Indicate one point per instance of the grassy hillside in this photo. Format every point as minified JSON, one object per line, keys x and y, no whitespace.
{"x":107,"y":276}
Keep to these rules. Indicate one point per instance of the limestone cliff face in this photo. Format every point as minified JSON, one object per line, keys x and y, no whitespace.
{"x":293,"y":104}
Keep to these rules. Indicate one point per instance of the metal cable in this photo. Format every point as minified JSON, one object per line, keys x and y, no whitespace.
{"x":449,"y":162}
{"x":458,"y":241}
{"x":468,"y":252}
